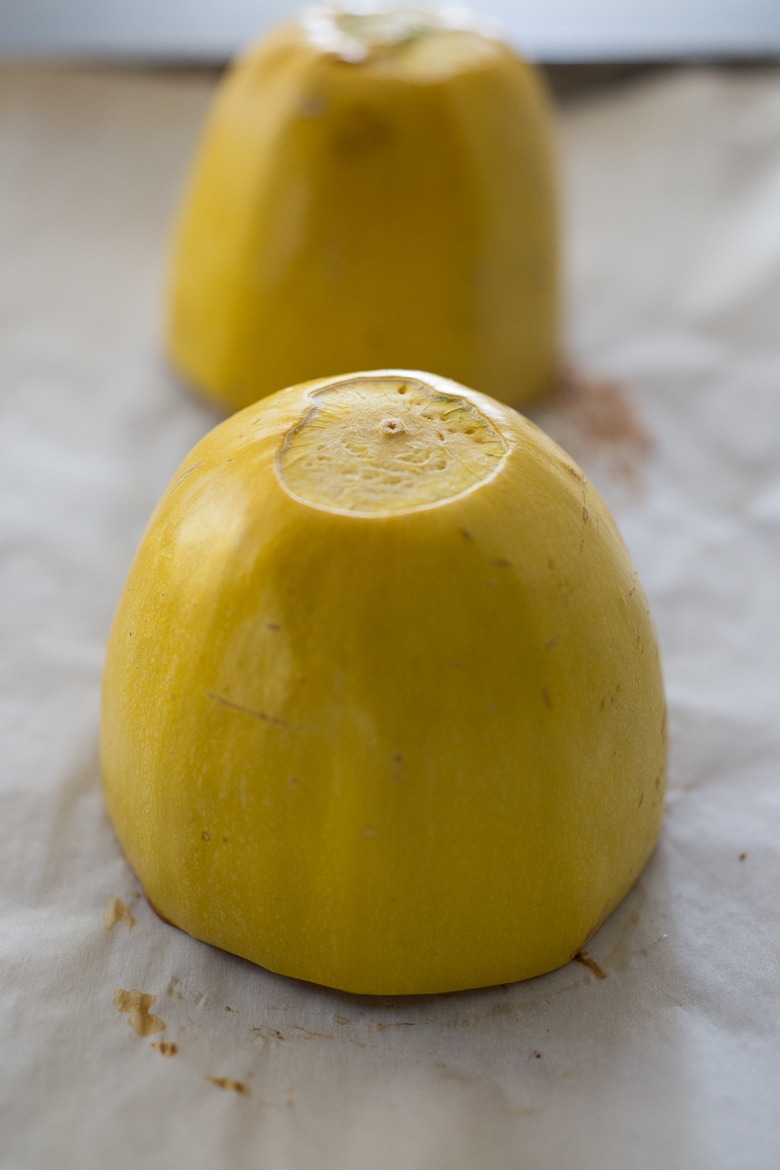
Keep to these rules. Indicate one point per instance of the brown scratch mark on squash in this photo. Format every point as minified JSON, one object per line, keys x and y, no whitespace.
{"x":189,"y":471}
{"x":246,"y":710}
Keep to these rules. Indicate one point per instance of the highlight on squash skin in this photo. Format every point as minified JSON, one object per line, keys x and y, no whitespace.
{"x":370,"y":191}
{"x":383,"y":739}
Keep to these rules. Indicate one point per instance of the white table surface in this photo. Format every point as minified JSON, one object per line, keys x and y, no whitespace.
{"x":548,"y":30}
{"x":670,"y":1062}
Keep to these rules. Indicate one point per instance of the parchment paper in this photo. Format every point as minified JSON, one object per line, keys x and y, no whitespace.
{"x":663,"y":1051}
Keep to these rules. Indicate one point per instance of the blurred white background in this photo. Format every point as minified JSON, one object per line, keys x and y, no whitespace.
{"x":553,"y":30}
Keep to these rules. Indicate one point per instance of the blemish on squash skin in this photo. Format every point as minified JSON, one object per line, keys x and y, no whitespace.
{"x":312,"y":106}
{"x":246,"y":710}
{"x":189,"y":471}
{"x":361,"y":131}
{"x":137,"y":1005}
{"x":116,"y":911}
{"x":546,"y":699}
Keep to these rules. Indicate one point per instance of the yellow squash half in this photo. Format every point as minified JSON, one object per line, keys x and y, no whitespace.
{"x":382,"y":705}
{"x":370,"y":191}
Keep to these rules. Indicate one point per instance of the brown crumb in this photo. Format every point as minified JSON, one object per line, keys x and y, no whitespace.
{"x":235,"y":1086}
{"x":165,"y":1047}
{"x":137,"y":1005}
{"x":588,"y":961}
{"x":592,"y":416}
{"x":277,"y":1035}
{"x":742,"y":857}
{"x":114,"y":911}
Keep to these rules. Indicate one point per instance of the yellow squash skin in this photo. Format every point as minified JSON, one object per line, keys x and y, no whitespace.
{"x":405,"y":750}
{"x":398,"y":210}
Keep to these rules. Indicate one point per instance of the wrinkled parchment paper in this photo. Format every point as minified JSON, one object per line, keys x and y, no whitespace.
{"x":127,"y":1044}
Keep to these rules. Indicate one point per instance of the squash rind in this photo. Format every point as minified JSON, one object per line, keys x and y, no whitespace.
{"x":400,"y":753}
{"x":346,"y":216}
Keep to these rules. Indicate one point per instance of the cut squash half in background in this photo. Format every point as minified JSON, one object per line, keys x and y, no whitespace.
{"x":371,"y":190}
